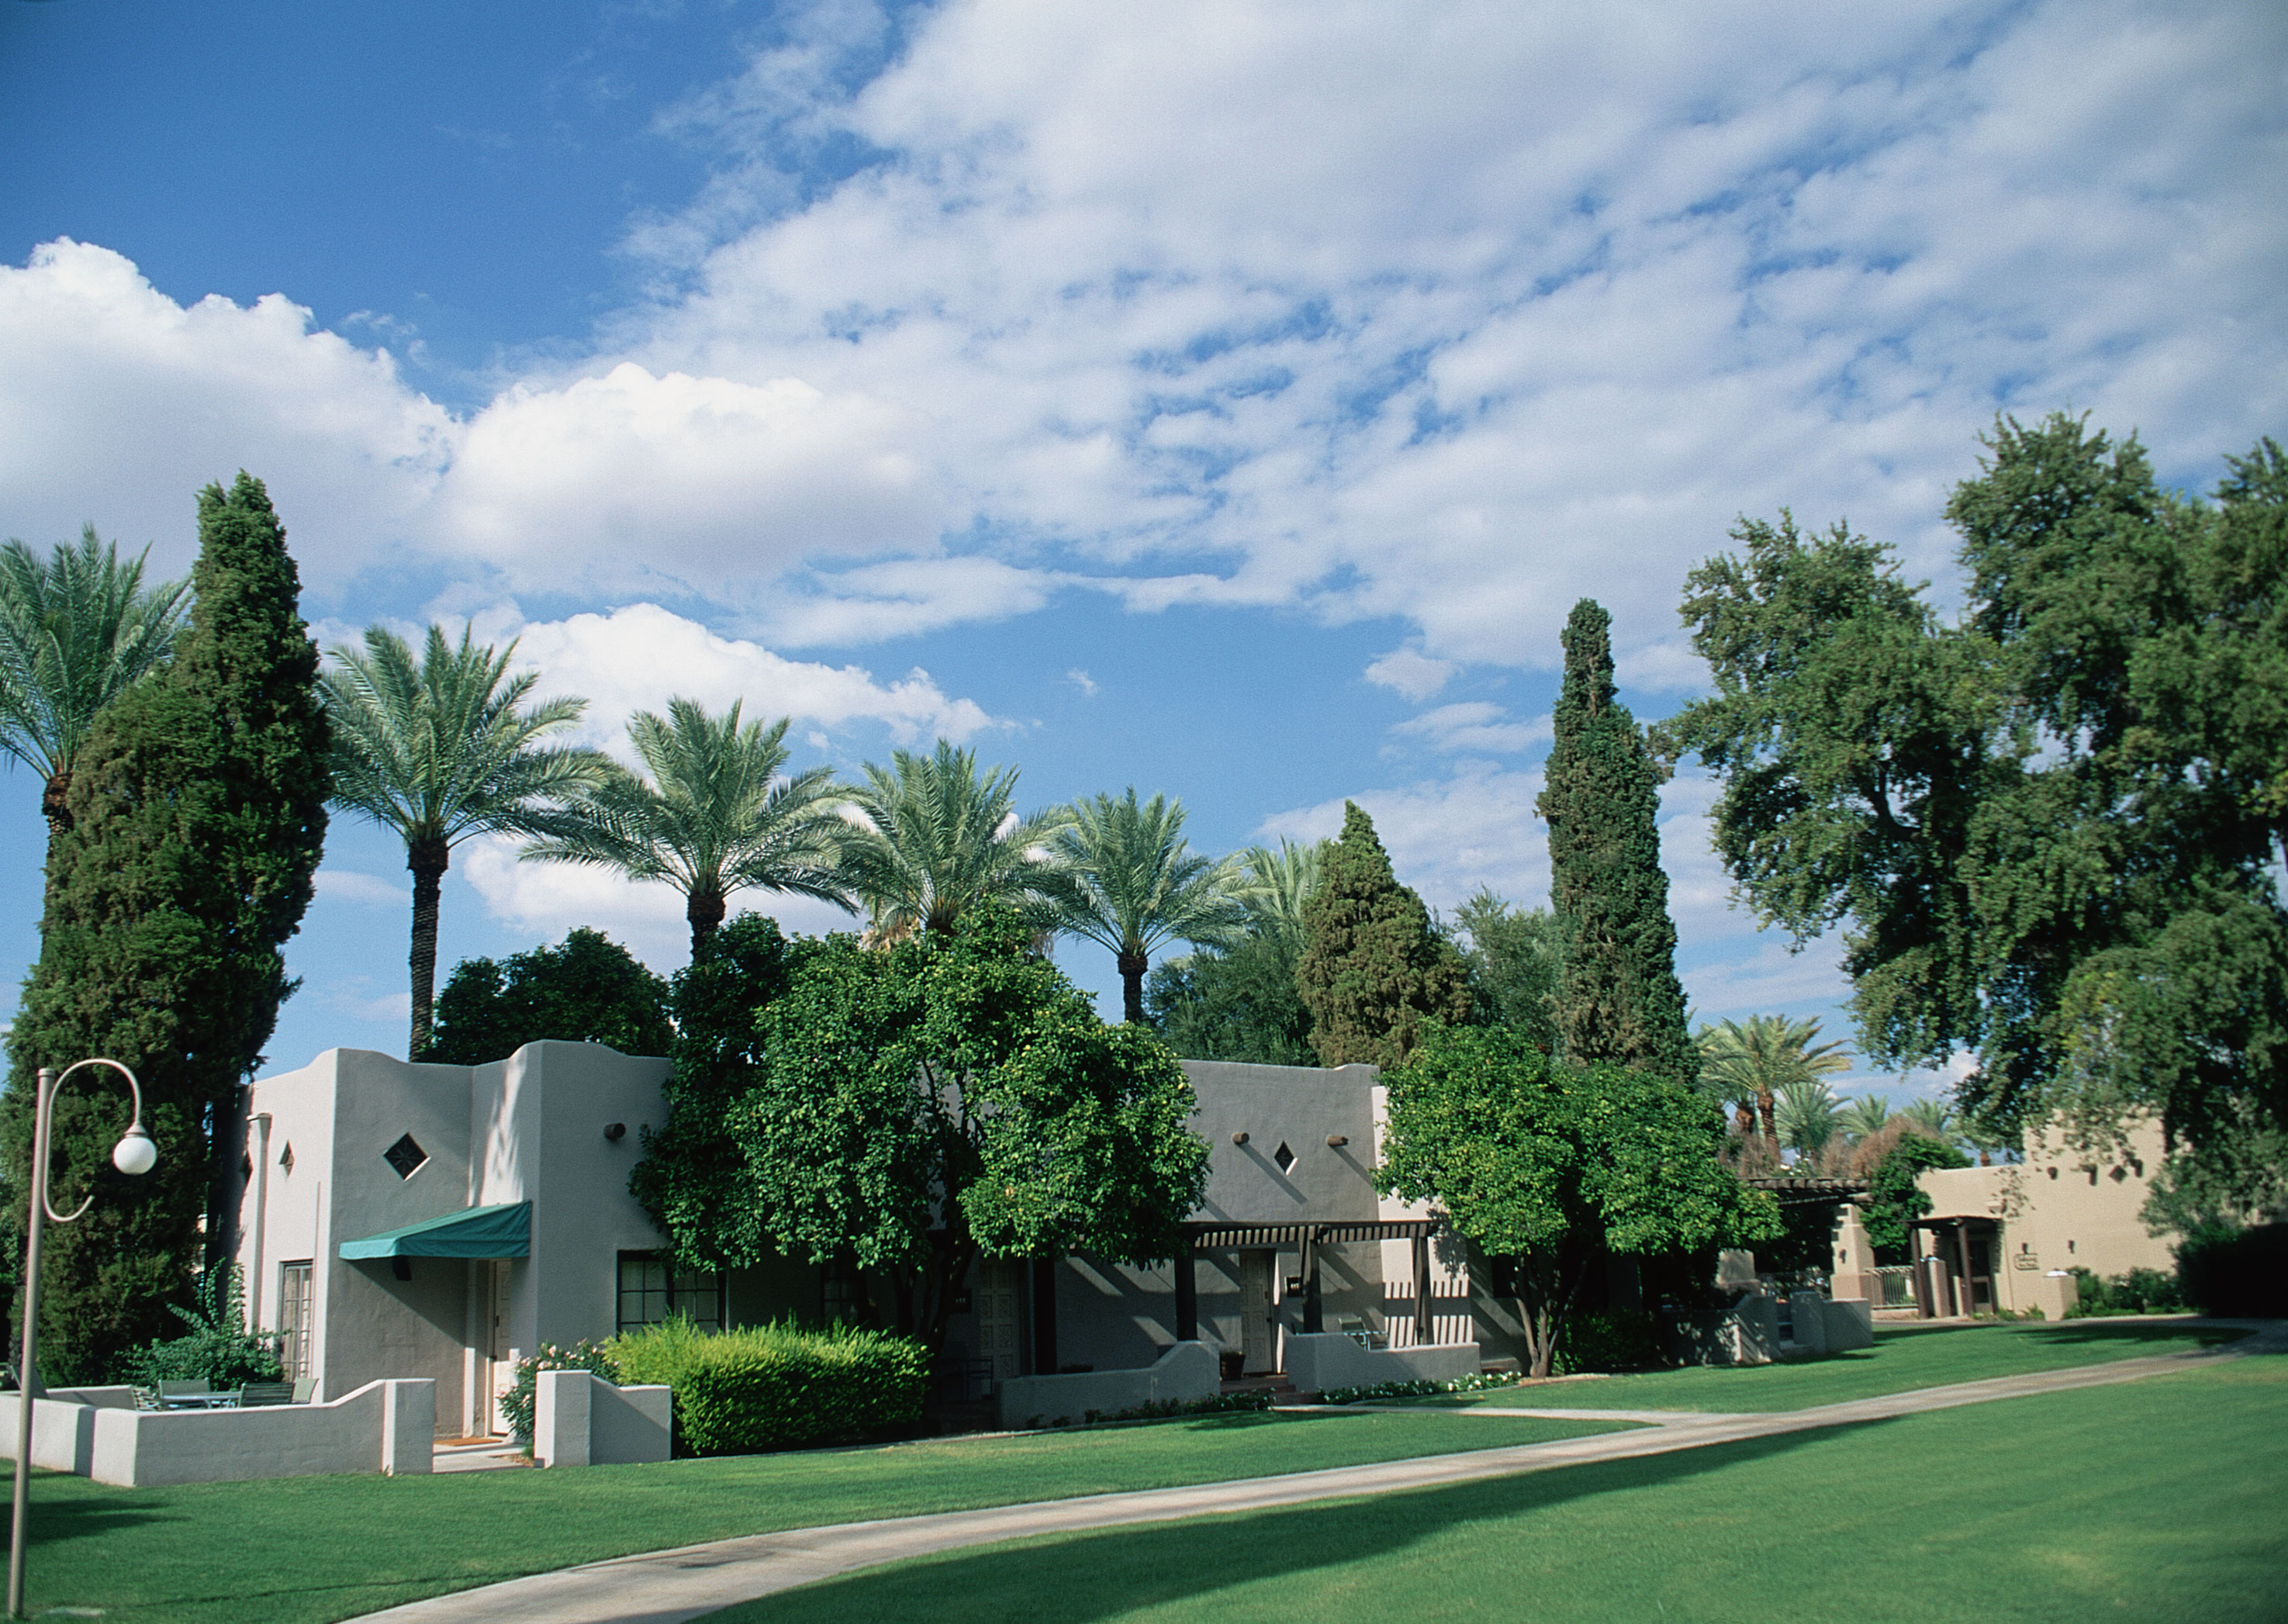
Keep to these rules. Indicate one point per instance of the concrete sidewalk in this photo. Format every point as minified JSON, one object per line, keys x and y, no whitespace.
{"x":669,"y":1587}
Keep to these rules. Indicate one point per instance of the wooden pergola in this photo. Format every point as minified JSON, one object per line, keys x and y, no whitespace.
{"x":1211,"y":1236}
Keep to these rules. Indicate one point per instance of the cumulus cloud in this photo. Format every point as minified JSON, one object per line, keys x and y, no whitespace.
{"x":1411,"y":672}
{"x":1451,"y":318}
{"x":1474,"y":724}
{"x":348,"y":885}
{"x":636,"y":658}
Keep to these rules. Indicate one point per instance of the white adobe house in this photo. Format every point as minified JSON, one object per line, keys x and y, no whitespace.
{"x":404,"y":1220}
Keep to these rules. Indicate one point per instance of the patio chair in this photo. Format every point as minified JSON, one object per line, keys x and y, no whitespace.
{"x":256,"y":1395}
{"x":304,"y":1390}
{"x":189,"y":1394}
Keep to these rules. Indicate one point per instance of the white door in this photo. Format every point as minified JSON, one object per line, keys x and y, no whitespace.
{"x":999,"y":1326}
{"x":1255,"y":1312}
{"x":500,"y":1361}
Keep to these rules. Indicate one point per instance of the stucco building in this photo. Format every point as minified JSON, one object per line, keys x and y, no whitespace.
{"x":413,"y":1220}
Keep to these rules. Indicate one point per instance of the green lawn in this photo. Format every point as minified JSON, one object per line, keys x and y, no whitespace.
{"x":1903,"y":1357}
{"x":317,"y":1548}
{"x":2161,"y":1500}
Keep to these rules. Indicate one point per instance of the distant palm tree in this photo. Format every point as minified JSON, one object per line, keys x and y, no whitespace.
{"x":74,"y":633}
{"x":1130,"y":884}
{"x":438,"y":749}
{"x":1934,"y":1117}
{"x":1807,"y":1115}
{"x":1868,"y":1114}
{"x":938,"y":837}
{"x":717,"y":817}
{"x":1275,"y":885}
{"x":1749,"y":1061}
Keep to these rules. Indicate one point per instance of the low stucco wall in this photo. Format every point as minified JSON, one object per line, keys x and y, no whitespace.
{"x":1320,"y":1360}
{"x":384,"y":1426}
{"x":581,"y":1420}
{"x":1185,"y":1373}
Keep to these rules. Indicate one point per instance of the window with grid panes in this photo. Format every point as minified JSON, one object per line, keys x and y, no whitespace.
{"x":651,"y":1291}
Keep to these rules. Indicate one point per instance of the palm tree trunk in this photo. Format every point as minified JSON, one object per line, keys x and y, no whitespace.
{"x":1745,"y":1115}
{"x":1133,"y":966}
{"x":1768,"y":1112}
{"x":428,"y":860}
{"x":54,"y":803}
{"x":705,"y":909}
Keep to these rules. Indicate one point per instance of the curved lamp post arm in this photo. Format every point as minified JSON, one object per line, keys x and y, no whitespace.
{"x":133,"y":1144}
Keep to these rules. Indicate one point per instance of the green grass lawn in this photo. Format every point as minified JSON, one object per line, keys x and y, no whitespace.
{"x":310,"y":1549}
{"x":2160,"y":1500}
{"x":1903,"y":1357}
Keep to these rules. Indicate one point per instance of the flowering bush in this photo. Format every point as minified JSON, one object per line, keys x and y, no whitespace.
{"x":517,"y":1406}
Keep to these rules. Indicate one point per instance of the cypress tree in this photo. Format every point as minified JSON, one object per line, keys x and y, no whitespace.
{"x":1618,"y":998}
{"x":197,"y":815}
{"x":1373,"y":970}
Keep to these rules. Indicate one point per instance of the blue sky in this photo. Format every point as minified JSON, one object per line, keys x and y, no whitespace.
{"x":1225,"y":398}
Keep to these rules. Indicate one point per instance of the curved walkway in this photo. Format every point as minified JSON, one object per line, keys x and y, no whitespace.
{"x":669,"y":1587}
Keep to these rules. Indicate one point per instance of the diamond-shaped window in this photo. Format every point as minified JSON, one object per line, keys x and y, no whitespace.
{"x":406,"y":1156}
{"x":1285,"y":1157}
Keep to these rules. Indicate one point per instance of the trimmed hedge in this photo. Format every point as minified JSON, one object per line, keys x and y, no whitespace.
{"x":2237,"y":1276}
{"x":777,"y":1386}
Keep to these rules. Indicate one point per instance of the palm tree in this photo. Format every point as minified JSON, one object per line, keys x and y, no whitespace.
{"x":1275,"y":885}
{"x":1131,"y":884}
{"x":938,"y":837}
{"x":1751,"y":1061}
{"x":1867,"y":1115}
{"x":1807,"y":1114}
{"x":1934,"y":1117}
{"x":716,"y":818}
{"x":74,"y":634}
{"x":443,"y":748}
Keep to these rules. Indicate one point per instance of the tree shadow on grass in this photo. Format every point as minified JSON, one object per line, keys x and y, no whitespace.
{"x":1086,"y":1578}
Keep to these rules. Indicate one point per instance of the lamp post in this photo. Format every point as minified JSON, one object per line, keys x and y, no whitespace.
{"x":134,"y":1156}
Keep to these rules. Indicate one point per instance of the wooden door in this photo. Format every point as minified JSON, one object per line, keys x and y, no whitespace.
{"x":1000,"y":1325}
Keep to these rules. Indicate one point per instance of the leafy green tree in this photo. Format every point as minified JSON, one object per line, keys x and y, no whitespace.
{"x":949,"y":1096}
{"x":1894,"y":1198}
{"x":691,"y":1177}
{"x":940,"y":837}
{"x":716,"y":818}
{"x":1557,"y":1165}
{"x":1617,"y":997}
{"x":1374,"y":971}
{"x":1238,"y":1004}
{"x":2049,"y":827}
{"x":590,"y":990}
{"x":75,"y":633}
{"x":443,"y":748}
{"x":1131,"y":884}
{"x":197,"y":810}
{"x":1750,"y":1062}
{"x":1515,"y":958}
{"x":219,"y":1350}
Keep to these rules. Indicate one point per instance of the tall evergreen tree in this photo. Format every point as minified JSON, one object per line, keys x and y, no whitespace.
{"x":1617,"y":998}
{"x":197,"y":811}
{"x":1374,"y":970}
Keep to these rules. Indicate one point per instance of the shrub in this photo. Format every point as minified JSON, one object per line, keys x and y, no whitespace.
{"x":1618,"y":1341}
{"x":2236,"y":1274}
{"x":220,"y":1349}
{"x":2141,"y":1291}
{"x":1160,"y":1409}
{"x":777,"y":1386}
{"x":1421,"y":1387}
{"x":517,"y":1406}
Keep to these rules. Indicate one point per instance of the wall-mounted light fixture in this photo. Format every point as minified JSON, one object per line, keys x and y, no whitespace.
{"x":1240,"y":1138}
{"x":1336,"y":1141}
{"x":616,"y":1131}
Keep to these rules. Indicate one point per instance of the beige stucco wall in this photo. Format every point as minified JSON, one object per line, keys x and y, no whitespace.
{"x":2060,"y":1208}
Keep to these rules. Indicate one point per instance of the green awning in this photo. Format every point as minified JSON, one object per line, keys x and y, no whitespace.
{"x":504,"y":1231}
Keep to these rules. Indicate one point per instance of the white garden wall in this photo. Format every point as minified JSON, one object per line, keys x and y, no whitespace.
{"x":384,"y":1426}
{"x":1186,"y":1372}
{"x":1330,"y":1359}
{"x":581,"y":1420}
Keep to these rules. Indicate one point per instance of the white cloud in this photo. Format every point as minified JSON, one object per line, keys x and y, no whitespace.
{"x":1411,"y":672}
{"x":636,"y":658}
{"x":1474,"y":724}
{"x":1448,"y":837}
{"x":1454,"y":318}
{"x":348,"y":885}
{"x":1081,"y":680}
